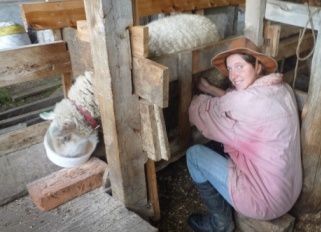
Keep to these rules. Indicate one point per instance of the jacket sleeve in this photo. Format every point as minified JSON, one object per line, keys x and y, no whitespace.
{"x":212,"y":118}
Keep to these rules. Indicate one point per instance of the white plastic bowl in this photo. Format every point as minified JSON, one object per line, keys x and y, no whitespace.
{"x":63,"y":161}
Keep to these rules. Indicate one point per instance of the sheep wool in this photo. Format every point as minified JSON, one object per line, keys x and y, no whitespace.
{"x":180,"y":32}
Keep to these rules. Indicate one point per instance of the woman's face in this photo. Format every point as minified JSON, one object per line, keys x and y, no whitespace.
{"x":241,"y":73}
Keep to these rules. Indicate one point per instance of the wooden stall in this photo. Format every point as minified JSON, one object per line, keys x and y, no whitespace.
{"x":133,"y":89}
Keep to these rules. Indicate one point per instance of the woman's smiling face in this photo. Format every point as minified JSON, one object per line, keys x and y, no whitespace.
{"x":242,"y":74}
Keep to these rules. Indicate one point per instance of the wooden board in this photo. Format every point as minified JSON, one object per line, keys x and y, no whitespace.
{"x":32,"y":62}
{"x":119,"y":107}
{"x":21,"y":167}
{"x":151,"y":7}
{"x":139,"y":41}
{"x":94,"y":211}
{"x":291,"y":13}
{"x":154,"y":137}
{"x":53,"y":15}
{"x":23,"y":138}
{"x":151,"y":81}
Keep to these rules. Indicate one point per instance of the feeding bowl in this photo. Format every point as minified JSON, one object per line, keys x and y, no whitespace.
{"x":64,"y":161}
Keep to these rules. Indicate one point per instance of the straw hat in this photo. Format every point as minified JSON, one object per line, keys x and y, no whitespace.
{"x":244,"y":46}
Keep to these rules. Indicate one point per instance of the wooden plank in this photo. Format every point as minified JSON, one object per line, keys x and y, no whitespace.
{"x":310,"y":198}
{"x":36,"y":105}
{"x":80,"y":52}
{"x":291,"y":13}
{"x":53,"y":15}
{"x":151,"y":81}
{"x":139,"y":40}
{"x":82,"y":30}
{"x":23,"y":138}
{"x":152,"y":188}
{"x":287,"y":47}
{"x":119,"y":108}
{"x":21,"y":167}
{"x":254,"y":14}
{"x":94,"y":211}
{"x":154,"y":137}
{"x":185,"y":97}
{"x":151,"y":7}
{"x":32,"y":62}
{"x":271,"y":39}
{"x":23,"y":117}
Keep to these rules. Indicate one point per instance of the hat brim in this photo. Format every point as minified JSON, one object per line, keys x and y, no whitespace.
{"x":218,"y":61}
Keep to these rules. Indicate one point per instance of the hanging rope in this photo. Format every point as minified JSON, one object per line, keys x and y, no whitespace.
{"x":301,"y":36}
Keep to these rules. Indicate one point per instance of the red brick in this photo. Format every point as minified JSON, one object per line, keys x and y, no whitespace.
{"x":66,"y":184}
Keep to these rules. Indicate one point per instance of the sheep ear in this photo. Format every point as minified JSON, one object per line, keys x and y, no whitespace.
{"x":47,"y":115}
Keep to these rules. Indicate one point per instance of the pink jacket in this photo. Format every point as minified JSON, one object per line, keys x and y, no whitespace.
{"x":259,"y":128}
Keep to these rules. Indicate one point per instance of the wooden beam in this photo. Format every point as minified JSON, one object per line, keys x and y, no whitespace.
{"x":32,"y":62}
{"x":151,"y":81}
{"x":139,"y":40}
{"x":154,"y":137}
{"x":185,"y":97}
{"x":119,"y":107}
{"x":53,"y":15}
{"x":152,"y":188}
{"x":254,"y":14}
{"x":310,"y":198}
{"x":271,"y":39}
{"x":23,"y":138}
{"x":151,"y":7}
{"x":82,"y":30}
{"x":287,"y":47}
{"x":291,"y":13}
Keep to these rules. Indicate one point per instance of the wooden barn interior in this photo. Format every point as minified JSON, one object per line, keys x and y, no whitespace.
{"x":143,"y":103}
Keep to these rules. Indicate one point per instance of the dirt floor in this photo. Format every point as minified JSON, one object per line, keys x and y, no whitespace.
{"x":179,"y":198}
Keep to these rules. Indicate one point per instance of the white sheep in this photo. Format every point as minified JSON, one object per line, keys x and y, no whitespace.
{"x":69,"y":130}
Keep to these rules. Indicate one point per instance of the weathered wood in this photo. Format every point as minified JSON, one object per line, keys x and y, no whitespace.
{"x":53,"y":15}
{"x":35,"y":89}
{"x":23,"y":117}
{"x":82,"y":30}
{"x":281,"y":224}
{"x":33,"y":62}
{"x":291,"y":13}
{"x":151,"y":7}
{"x":287,"y":47}
{"x":119,"y":108}
{"x":310,"y":199}
{"x":151,"y":81}
{"x":185,"y":97}
{"x":94,"y":211}
{"x":36,"y":105}
{"x":154,"y":137}
{"x":271,"y":39}
{"x":23,"y":138}
{"x":152,"y":189}
{"x":254,"y":14}
{"x":80,"y":52}
{"x":139,"y":40}
{"x":21,"y":167}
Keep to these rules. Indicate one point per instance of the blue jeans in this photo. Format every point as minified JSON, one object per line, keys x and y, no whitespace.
{"x":204,"y":164}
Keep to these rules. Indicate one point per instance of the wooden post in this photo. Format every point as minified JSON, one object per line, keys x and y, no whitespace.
{"x":185,"y":97}
{"x":108,"y":22}
{"x":310,"y":199}
{"x":254,"y":13}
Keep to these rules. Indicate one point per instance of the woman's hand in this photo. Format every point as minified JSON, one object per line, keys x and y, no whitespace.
{"x":206,"y":87}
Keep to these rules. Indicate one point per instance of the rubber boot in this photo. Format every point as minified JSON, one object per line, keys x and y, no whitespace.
{"x":219,"y":217}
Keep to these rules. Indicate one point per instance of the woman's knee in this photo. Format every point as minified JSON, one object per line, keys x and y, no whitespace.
{"x":193,"y":152}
